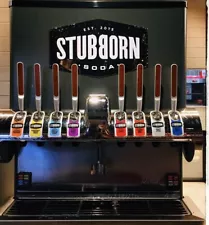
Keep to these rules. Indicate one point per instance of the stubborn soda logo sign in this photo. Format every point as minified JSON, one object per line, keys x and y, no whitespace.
{"x":98,"y":46}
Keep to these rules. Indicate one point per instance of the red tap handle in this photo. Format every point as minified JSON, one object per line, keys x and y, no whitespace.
{"x":20,"y":78}
{"x":37,"y":77}
{"x":174,"y":80}
{"x":74,"y":69}
{"x":158,"y":72}
{"x":139,"y":81}
{"x":121,"y":80}
{"x":55,"y":71}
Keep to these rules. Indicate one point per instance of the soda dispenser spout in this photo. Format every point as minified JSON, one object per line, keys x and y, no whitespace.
{"x":56,"y":117}
{"x":138,"y":117}
{"x":20,"y":85}
{"x":175,"y":119}
{"x":37,"y":118}
{"x":74,"y":117}
{"x":174,"y":82}
{"x":158,"y":73}
{"x":120,"y":117}
{"x":157,"y":118}
{"x":18,"y":120}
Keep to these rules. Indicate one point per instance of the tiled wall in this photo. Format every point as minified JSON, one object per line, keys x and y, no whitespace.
{"x":4,"y":53}
{"x":196,"y":34}
{"x":195,"y":43}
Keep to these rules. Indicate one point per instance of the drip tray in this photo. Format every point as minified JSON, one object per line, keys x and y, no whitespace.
{"x":94,"y":210}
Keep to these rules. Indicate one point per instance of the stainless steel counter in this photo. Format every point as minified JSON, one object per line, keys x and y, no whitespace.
{"x":194,"y":197}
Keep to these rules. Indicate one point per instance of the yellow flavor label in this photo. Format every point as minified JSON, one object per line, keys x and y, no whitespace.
{"x":35,"y":130}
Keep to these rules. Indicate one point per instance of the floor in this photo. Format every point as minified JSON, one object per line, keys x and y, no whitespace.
{"x":197,"y":192}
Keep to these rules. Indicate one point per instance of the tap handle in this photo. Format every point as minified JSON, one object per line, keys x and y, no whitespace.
{"x":174,"y":83}
{"x":174,"y":80}
{"x":74,"y":69}
{"x":74,"y":83}
{"x":139,"y":81}
{"x":121,"y":86}
{"x":121,"y":80}
{"x":158,"y":72}
{"x":20,"y":78}
{"x":37,"y":77}
{"x":139,"y":86}
{"x":55,"y":71}
{"x":20,"y":85}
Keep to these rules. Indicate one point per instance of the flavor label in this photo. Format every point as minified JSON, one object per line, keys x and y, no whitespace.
{"x":176,"y":123}
{"x":35,"y":129}
{"x":139,"y":128}
{"x":120,"y":128}
{"x":73,"y":128}
{"x":73,"y":125}
{"x":157,"y":124}
{"x":17,"y":124}
{"x":36,"y":125}
{"x":55,"y":125}
{"x":176,"y":128}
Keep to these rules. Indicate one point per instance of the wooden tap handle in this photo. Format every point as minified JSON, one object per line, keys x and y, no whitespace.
{"x":37,"y":77}
{"x":55,"y":71}
{"x":158,"y":72}
{"x":139,"y":81}
{"x":121,"y":80}
{"x":74,"y":69}
{"x":174,"y":80}
{"x":20,"y":78}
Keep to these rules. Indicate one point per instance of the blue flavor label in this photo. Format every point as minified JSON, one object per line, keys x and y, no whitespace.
{"x":176,"y":127}
{"x":55,"y":126}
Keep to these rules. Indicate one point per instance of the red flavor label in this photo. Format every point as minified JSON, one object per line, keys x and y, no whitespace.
{"x":120,"y":128}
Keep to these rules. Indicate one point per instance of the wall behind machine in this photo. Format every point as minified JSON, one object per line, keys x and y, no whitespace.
{"x":4,"y":53}
{"x":196,"y":34}
{"x":196,"y":42}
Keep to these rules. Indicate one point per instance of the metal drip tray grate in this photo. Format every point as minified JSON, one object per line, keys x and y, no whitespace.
{"x":122,"y":209}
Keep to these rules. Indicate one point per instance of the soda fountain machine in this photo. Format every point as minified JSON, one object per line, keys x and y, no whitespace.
{"x":98,"y":121}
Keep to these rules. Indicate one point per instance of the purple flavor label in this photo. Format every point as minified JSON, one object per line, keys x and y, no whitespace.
{"x":73,"y":128}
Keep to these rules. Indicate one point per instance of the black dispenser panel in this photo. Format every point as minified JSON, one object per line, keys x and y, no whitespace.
{"x":156,"y":26}
{"x":66,"y":171}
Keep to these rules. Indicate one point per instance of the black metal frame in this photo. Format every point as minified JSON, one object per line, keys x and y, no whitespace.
{"x":99,"y":4}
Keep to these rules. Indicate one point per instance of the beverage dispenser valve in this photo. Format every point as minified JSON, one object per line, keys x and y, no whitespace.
{"x":74,"y":117}
{"x":37,"y":119}
{"x":139,"y":120}
{"x":175,"y":120}
{"x":157,"y":119}
{"x":55,"y":120}
{"x":18,"y":120}
{"x":120,"y":117}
